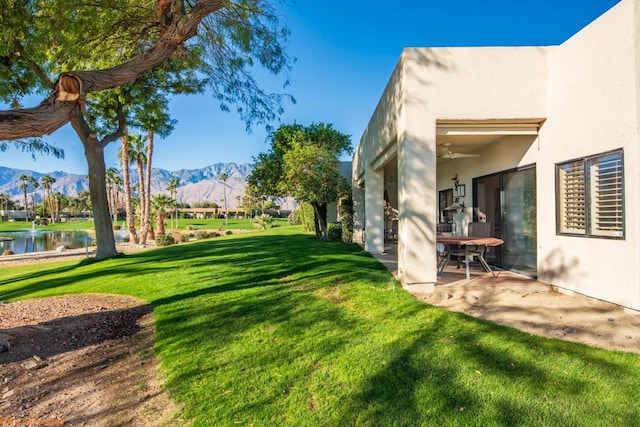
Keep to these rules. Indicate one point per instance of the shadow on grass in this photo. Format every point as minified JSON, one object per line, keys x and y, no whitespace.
{"x":291,"y":330}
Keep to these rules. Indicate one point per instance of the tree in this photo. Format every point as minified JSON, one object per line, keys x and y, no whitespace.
{"x":47,"y":181}
{"x":223,"y":178}
{"x":303,"y":163}
{"x":59,"y":202}
{"x":173,"y":193}
{"x":111,"y":44}
{"x":24,"y":185}
{"x":125,"y":161}
{"x":161,"y":204}
{"x":111,"y":176}
{"x":6,"y":202}
{"x":34,"y":185}
{"x":138,"y":156}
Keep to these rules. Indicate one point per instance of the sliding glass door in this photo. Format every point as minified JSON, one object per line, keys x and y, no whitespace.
{"x":508,"y":200}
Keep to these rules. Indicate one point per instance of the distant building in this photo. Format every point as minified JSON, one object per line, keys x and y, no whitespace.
{"x":13,"y":215}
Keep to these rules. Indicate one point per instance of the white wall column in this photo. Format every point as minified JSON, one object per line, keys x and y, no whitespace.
{"x":417,"y":258}
{"x":374,"y":210}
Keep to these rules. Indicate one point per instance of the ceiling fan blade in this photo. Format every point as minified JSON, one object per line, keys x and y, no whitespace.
{"x":461,"y":155}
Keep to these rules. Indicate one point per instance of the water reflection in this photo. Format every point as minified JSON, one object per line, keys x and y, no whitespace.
{"x":43,"y":240}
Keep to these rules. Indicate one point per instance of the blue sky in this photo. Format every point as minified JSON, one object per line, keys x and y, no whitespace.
{"x":345,"y":52}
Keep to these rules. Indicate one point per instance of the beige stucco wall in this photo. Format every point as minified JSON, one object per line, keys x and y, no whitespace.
{"x":378,"y":141}
{"x":461,"y":83}
{"x":592,"y":108}
{"x":587,"y":89}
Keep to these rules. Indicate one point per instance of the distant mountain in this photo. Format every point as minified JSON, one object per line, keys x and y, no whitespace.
{"x":195,"y":184}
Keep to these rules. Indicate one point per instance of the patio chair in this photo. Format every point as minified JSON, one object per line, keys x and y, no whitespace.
{"x":474,"y":229}
{"x":443,"y":257}
{"x":479,"y":229}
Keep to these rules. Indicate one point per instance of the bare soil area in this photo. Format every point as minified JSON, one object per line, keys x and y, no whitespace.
{"x":80,"y":360}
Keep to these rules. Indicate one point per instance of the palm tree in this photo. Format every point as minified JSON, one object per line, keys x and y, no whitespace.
{"x":161,"y":205}
{"x":223,"y":178}
{"x":138,"y":156}
{"x":80,"y":203}
{"x":125,"y":160}
{"x":24,"y":184}
{"x":47,"y":181}
{"x":35,"y":185}
{"x":111,"y":176}
{"x":173,"y":192}
{"x":117,"y":195}
{"x":147,"y":186}
{"x":59,"y":202}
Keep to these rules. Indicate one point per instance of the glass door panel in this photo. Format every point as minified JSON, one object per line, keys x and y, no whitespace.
{"x":508,"y":200}
{"x":519,"y":228}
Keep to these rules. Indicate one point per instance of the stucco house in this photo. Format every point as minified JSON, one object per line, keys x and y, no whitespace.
{"x":551,"y":136}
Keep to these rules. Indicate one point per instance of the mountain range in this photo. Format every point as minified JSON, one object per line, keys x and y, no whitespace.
{"x":195,"y":185}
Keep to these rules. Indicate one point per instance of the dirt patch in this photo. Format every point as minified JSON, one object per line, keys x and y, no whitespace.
{"x":81,"y":360}
{"x":538,"y":309}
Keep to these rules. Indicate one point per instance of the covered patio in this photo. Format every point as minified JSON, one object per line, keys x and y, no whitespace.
{"x":534,"y":307}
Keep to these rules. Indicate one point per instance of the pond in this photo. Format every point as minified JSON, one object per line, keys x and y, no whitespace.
{"x":45,"y":240}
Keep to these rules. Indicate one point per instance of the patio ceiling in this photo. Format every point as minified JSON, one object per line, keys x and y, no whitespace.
{"x":469,"y":137}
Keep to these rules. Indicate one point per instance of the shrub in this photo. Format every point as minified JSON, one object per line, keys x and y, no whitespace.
{"x":294,"y":218}
{"x":306,"y":216}
{"x":334,"y":232}
{"x":165,"y":240}
{"x":201,"y":235}
{"x":186,"y":237}
{"x":346,"y":209}
{"x":190,"y":227}
{"x":7,"y":252}
{"x":228,"y":232}
{"x":263,"y":221}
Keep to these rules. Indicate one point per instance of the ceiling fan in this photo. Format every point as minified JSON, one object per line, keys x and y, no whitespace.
{"x":448,"y":154}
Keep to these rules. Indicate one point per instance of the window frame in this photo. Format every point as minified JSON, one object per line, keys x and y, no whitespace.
{"x":589,"y":199}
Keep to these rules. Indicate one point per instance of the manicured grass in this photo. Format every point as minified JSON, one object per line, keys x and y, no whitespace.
{"x":58,"y":226}
{"x":183,"y":224}
{"x":276,"y":328}
{"x":209,"y":224}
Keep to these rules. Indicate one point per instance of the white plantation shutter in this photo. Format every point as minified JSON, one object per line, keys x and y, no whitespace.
{"x":590,"y":195}
{"x":572,"y":198}
{"x":606,"y":195}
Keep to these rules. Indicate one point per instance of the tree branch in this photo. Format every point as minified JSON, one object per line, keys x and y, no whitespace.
{"x":71,"y":88}
{"x":122,"y":122}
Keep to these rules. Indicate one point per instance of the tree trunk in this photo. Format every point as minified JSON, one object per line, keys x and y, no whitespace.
{"x":320,"y":211}
{"x":26,"y":205}
{"x":126,"y":177}
{"x":147,"y":186}
{"x":94,"y":153}
{"x":144,"y":224}
{"x":160,"y":224}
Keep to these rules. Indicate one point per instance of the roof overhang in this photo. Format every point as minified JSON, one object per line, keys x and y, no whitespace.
{"x":488,"y":127}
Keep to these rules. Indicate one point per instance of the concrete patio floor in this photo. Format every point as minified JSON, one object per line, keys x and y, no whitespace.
{"x":529,"y":305}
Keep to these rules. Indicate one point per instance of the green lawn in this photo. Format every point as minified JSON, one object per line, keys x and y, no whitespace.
{"x":214,"y":224}
{"x":276,"y":328}
{"x":58,"y":226}
{"x":183,"y":224}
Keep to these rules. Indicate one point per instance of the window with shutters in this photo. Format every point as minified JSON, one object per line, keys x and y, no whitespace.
{"x":590,"y":196}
